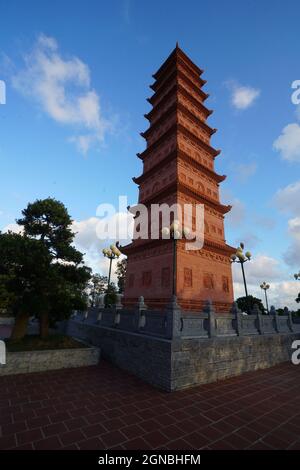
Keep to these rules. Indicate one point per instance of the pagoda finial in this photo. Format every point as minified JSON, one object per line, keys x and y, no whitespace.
{"x":177,"y":45}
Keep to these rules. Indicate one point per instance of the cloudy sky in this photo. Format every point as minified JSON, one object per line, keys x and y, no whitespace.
{"x":77,"y":77}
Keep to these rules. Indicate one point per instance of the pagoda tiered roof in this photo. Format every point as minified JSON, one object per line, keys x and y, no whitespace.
{"x":176,"y":74}
{"x":189,"y":191}
{"x":178,"y":89}
{"x":173,"y":108}
{"x":183,"y":156}
{"x":177,"y":127}
{"x":177,"y":55}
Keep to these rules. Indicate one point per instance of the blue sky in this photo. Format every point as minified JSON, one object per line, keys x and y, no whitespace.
{"x":81,"y":148}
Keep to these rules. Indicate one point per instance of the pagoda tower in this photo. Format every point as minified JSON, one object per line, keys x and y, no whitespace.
{"x":178,"y":167}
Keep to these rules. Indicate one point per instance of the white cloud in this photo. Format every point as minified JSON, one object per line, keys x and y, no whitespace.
{"x":237,"y":214}
{"x":62,"y":88}
{"x":288,"y":199}
{"x":260,"y":268}
{"x":249,"y":239}
{"x":87,"y":238}
{"x":244,"y":171}
{"x":292,"y":255}
{"x":281,"y":294}
{"x":288,"y":143}
{"x":242,"y":97}
{"x":15,"y":228}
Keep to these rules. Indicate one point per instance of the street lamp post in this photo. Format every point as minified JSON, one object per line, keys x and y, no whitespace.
{"x":174,"y":232}
{"x":265,"y":287}
{"x":241,"y":258}
{"x":111,"y":253}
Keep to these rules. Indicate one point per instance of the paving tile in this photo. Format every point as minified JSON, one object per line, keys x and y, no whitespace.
{"x":53,"y":429}
{"x":71,"y":437}
{"x":75,"y":423}
{"x":29,"y":436}
{"x":7,"y":442}
{"x":136,"y":444}
{"x":37,"y":422}
{"x":50,"y":443}
{"x":12,"y":428}
{"x":113,"y":438}
{"x":102,"y":407}
{"x":155,"y":439}
{"x":93,"y":430}
{"x":58,"y":417}
{"x":91,"y":444}
{"x":132,"y":431}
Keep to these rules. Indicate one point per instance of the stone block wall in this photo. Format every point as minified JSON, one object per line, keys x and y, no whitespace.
{"x":148,"y":357}
{"x":38,"y":361}
{"x":196,"y":361}
{"x":184,"y":361}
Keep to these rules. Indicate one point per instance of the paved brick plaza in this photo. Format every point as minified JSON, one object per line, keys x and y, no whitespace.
{"x":101,"y":407}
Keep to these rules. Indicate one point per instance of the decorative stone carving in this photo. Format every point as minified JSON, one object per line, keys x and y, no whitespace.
{"x":188,"y":277}
{"x":146,"y":278}
{"x":225,"y":284}
{"x":208,"y":281}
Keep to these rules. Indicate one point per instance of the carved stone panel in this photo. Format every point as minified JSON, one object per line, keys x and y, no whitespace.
{"x":188,"y":277}
{"x":147,"y":278}
{"x":225,"y":284}
{"x":208,"y":281}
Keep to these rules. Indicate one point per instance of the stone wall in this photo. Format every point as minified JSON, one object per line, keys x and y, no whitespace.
{"x":38,"y":361}
{"x":7,"y":321}
{"x":181,"y":350}
{"x":146,"y":356}
{"x":196,"y":361}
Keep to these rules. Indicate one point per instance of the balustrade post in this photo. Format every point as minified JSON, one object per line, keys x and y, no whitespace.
{"x":174,"y":324}
{"x":209,"y":309}
{"x":235,"y":311}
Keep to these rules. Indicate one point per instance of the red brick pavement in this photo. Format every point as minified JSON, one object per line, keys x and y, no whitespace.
{"x":101,"y":407}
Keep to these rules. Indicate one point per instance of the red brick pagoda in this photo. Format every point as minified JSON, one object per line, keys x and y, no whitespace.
{"x":178,"y":167}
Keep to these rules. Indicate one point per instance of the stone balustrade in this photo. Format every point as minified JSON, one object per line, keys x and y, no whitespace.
{"x":173,"y":349}
{"x":174,"y":322}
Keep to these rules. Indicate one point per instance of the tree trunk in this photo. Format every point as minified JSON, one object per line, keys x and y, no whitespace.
{"x":20,"y":326}
{"x":44,"y":325}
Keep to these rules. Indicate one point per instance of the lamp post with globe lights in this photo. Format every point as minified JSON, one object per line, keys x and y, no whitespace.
{"x":174,"y":232}
{"x":111,"y":253}
{"x":240,"y":257}
{"x":264,"y":286}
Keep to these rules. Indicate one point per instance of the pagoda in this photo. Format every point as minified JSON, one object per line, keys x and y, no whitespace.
{"x":178,"y":167}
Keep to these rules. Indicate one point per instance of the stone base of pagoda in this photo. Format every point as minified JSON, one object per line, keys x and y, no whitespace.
{"x":172,"y":349}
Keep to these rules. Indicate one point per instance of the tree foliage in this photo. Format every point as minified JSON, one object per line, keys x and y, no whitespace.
{"x":96,"y":286}
{"x":245,"y":303}
{"x":41,"y":272}
{"x":121,"y":274}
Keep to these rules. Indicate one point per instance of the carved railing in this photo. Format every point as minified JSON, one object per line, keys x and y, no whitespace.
{"x":174,"y":322}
